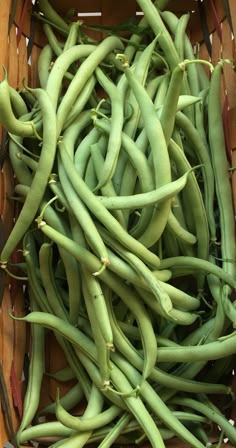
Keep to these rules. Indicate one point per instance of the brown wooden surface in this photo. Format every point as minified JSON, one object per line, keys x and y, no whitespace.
{"x":14,"y":341}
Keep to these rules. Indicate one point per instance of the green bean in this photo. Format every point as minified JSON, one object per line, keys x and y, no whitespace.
{"x":71,"y":268}
{"x":200,"y":433}
{"x":48,"y":281}
{"x":80,"y":103}
{"x":154,"y":84}
{"x":139,"y":163}
{"x":76,"y":337}
{"x":180,"y":298}
{"x":132,"y":333}
{"x":132,"y":426}
{"x":130,"y":127}
{"x":73,"y":279}
{"x":64,"y":374}
{"x":108,"y":189}
{"x":219,"y":324}
{"x":73,"y":440}
{"x":43,"y":304}
{"x":213,"y":414}
{"x":55,"y":45}
{"x":72,"y":35}
{"x":183,"y":247}
{"x":21,"y":171}
{"x":192,"y":192}
{"x":84,"y":72}
{"x":207,"y":171}
{"x":133,"y":302}
{"x":75,"y":364}
{"x":223,"y":188}
{"x":170,"y":244}
{"x":93,"y":372}
{"x":137,"y":408}
{"x":87,"y":424}
{"x":168,"y":112}
{"x":82,"y":215}
{"x":142,"y":270}
{"x":101,"y":213}
{"x":160,"y":155}
{"x":40,"y":179}
{"x":187,"y":100}
{"x":7,"y":117}
{"x":94,"y":406}
{"x":208,"y":335}
{"x":82,"y":152}
{"x":18,"y":105}
{"x":200,"y":119}
{"x":168,"y":380}
{"x":141,"y":67}
{"x":36,"y":371}
{"x":117,"y":117}
{"x":137,"y":158}
{"x":28,"y":161}
{"x":162,"y":91}
{"x":154,"y":20}
{"x":197,"y":264}
{"x":179,"y":316}
{"x":156,"y":404}
{"x":210,"y":351}
{"x":97,"y":309}
{"x":60,"y":66}
{"x":50,"y":13}
{"x":76,"y":127}
{"x":196,"y":74}
{"x":31,"y":260}
{"x":121,"y":268}
{"x":179,"y":231}
{"x":180,"y":35}
{"x":90,"y":177}
{"x":112,"y":436}
{"x":44,"y":65}
{"x":144,"y":199}
{"x":68,"y":401}
{"x":49,"y":429}
{"x":135,"y":40}
{"x":123,"y":291}
{"x":66,"y":330}
{"x":124,"y":171}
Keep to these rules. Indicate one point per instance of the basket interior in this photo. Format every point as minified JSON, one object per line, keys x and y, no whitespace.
{"x":22,"y":64}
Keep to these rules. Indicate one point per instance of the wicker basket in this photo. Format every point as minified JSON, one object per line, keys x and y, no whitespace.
{"x":217,"y":30}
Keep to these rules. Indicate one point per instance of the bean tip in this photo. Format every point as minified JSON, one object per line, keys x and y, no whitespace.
{"x":123,"y":60}
{"x":110,"y":346}
{"x":40,"y":222}
{"x":3,"y":265}
{"x":4,"y":72}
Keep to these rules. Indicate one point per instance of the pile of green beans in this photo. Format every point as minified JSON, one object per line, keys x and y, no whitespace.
{"x":127,"y":231}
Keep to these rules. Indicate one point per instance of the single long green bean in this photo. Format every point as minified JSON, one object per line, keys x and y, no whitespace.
{"x":197,"y":264}
{"x":144,"y":199}
{"x":89,"y":423}
{"x":36,"y":372}
{"x":117,"y":118}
